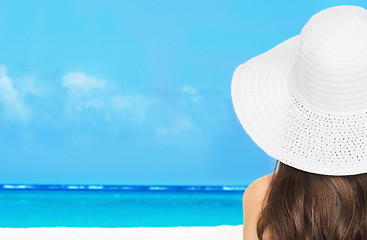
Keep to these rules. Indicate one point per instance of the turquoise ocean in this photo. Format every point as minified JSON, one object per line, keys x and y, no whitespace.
{"x":109,"y":206}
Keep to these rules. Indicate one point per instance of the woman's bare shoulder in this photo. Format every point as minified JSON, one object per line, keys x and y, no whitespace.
{"x":260,"y":184}
{"x":265,"y":180}
{"x":253,"y":198}
{"x":257,"y":189}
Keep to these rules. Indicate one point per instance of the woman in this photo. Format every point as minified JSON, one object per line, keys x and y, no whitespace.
{"x":304,"y":102}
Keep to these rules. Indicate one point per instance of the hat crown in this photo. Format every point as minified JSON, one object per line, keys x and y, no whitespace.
{"x":331,"y":69}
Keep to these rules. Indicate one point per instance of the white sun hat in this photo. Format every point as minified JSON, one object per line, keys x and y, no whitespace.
{"x":304,"y":102}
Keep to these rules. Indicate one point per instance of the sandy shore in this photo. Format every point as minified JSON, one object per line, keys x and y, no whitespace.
{"x":223,"y":232}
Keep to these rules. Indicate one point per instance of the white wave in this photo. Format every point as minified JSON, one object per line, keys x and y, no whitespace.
{"x":192,"y":188}
{"x":226,"y":188}
{"x":95,"y":187}
{"x":15,"y":186}
{"x":75,"y":187}
{"x":158,"y":188}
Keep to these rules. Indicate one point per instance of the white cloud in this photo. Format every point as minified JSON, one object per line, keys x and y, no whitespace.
{"x":121,"y":103}
{"x":27,"y":84}
{"x":189,"y":89}
{"x":195,"y":97}
{"x":85,"y":91}
{"x":179,"y":125}
{"x":79,"y":84}
{"x":10,"y":98}
{"x":91,"y":99}
{"x":122,"y":110}
{"x":134,"y":104}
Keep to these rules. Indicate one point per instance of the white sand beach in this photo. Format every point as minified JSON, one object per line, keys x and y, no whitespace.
{"x":223,"y":232}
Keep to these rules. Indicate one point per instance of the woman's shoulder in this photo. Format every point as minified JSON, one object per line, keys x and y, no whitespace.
{"x":259,"y":186}
{"x":253,"y":199}
{"x":255,"y":193}
{"x":264,"y":180}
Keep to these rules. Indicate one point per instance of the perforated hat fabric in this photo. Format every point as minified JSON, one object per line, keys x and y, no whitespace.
{"x":304,"y":102}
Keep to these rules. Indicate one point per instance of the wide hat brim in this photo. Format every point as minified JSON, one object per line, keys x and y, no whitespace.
{"x":286,"y":127}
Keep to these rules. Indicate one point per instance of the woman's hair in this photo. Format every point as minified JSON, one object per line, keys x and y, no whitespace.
{"x":300,"y":204}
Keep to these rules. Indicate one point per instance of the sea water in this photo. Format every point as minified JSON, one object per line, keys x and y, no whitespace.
{"x":119,"y":206}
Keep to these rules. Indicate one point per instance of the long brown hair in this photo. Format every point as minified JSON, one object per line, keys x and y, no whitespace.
{"x":301,"y":205}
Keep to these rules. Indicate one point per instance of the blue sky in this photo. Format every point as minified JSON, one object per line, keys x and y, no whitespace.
{"x":133,"y":92}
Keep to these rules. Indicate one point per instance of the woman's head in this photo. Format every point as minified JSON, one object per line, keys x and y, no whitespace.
{"x":303,"y":205}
